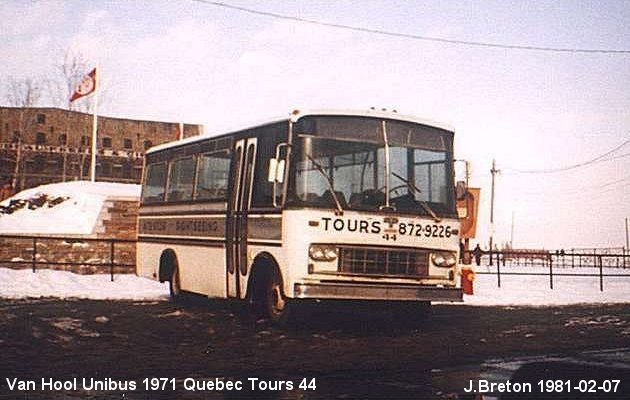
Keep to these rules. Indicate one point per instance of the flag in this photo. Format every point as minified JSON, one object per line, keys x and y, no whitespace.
{"x":86,"y":87}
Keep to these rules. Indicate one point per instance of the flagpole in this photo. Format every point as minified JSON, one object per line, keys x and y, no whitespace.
{"x":94,"y":125}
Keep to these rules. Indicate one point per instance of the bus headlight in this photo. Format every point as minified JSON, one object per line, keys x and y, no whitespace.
{"x":444,"y":259}
{"x":322,"y":252}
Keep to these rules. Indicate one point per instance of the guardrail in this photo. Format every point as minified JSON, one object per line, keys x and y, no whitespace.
{"x":68,"y":251}
{"x":556,"y":263}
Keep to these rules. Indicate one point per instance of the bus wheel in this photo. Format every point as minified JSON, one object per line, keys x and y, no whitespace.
{"x":273,"y":303}
{"x":175,"y":286}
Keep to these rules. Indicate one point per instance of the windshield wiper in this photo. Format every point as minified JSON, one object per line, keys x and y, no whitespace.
{"x":424,"y":204}
{"x":329,"y":181}
{"x":387,"y":166}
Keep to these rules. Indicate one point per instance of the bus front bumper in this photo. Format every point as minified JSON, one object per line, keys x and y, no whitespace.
{"x":365,"y":291}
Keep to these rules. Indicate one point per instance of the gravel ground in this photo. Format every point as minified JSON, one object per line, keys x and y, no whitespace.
{"x":351,"y":352}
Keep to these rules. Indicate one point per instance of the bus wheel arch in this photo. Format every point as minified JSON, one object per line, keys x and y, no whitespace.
{"x":169,"y":272}
{"x":265,"y":289}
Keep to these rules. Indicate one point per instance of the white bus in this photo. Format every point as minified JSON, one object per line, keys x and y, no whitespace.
{"x":320,"y":205}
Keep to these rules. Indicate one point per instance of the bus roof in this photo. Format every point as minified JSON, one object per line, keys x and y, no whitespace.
{"x":297,"y":114}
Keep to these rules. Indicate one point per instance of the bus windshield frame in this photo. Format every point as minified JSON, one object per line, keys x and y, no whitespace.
{"x":342,"y":160}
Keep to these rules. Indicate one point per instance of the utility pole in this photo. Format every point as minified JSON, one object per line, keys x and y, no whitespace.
{"x":512,"y":232}
{"x":493,"y":171}
{"x":467,"y":166}
{"x":625,"y":248}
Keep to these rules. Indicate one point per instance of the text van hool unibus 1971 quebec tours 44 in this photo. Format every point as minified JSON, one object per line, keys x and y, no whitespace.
{"x":320,"y":205}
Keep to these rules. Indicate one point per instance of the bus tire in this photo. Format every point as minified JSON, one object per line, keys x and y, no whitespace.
{"x":175,"y":286}
{"x":275,"y":305}
{"x":268,"y":300}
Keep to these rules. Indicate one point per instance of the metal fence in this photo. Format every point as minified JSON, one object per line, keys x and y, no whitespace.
{"x":36,"y":253}
{"x":556,"y":263}
{"x":94,"y":253}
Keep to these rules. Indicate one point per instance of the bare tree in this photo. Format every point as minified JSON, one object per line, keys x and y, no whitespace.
{"x":54,"y":89}
{"x":71,"y":68}
{"x":23,"y":94}
{"x":69,"y":71}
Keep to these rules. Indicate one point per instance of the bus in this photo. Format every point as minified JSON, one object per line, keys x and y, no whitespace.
{"x":319,"y":205}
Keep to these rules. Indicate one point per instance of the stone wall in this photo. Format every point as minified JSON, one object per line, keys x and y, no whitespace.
{"x":79,"y":255}
{"x":118,"y":220}
{"x":89,"y":254}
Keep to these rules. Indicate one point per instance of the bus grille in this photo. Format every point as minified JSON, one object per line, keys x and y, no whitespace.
{"x":383,"y":262}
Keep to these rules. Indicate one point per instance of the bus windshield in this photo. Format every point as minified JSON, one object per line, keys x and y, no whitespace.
{"x":327,"y":172}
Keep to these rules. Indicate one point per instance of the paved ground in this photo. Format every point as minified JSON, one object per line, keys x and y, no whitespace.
{"x":351,"y":353}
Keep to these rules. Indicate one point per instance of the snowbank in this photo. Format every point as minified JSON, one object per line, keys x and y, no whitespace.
{"x":49,"y":283}
{"x":521,"y":290}
{"x":61,"y":208}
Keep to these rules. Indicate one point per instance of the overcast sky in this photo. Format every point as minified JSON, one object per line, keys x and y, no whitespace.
{"x":531,"y":110}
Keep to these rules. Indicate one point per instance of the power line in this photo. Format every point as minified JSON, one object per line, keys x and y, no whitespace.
{"x":516,"y":172}
{"x":574,"y":166}
{"x":410,"y":35}
{"x":624,"y":155}
{"x":584,"y":190}
{"x":599,"y":195}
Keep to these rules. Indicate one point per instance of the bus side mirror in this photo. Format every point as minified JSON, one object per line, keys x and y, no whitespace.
{"x":276,"y":174}
{"x":273,"y":169}
{"x":460,"y":190}
{"x":280,"y":172}
{"x":276,"y":171}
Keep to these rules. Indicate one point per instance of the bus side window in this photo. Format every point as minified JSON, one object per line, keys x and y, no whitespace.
{"x":180,"y":179}
{"x":213,"y":171}
{"x":153,"y":190}
{"x":268,"y":140}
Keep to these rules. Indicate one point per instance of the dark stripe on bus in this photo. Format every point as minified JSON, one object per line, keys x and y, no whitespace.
{"x":258,"y":227}
{"x":184,"y":242}
{"x":261,"y":243}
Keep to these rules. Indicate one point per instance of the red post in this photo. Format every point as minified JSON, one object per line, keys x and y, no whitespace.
{"x":468,"y":276}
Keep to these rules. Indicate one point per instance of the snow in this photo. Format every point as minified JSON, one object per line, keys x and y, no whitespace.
{"x":523,"y":290}
{"x":514,"y":290}
{"x":63,"y":208}
{"x":24,"y":283}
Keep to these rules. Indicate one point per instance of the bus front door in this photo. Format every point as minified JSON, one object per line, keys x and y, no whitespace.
{"x":241,"y":194}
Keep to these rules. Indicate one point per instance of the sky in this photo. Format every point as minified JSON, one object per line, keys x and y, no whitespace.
{"x":540,"y":111}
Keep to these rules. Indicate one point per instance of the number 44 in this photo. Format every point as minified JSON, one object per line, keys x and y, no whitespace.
{"x":307,"y":386}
